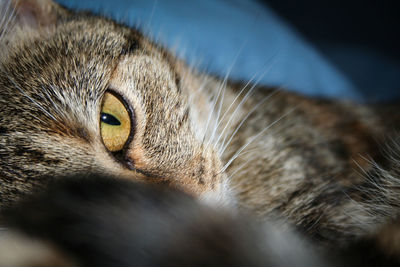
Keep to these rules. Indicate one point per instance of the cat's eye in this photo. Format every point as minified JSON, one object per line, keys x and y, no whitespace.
{"x":115,"y":123}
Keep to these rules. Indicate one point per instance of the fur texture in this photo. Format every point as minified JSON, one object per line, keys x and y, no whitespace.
{"x":258,"y":150}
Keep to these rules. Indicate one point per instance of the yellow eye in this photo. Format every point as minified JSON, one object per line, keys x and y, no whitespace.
{"x":115,"y":123}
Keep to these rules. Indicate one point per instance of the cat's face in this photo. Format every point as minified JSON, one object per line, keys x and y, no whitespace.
{"x":81,"y":94}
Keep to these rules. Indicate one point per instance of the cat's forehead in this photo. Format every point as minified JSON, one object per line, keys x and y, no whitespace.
{"x":74,"y":42}
{"x":90,"y":31}
{"x":84,"y":50}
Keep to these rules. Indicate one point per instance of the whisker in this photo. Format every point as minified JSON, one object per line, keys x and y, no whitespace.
{"x":241,"y":166}
{"x":247,"y":95}
{"x":223,"y":84}
{"x":206,"y":79}
{"x":7,"y":17}
{"x":218,"y":115}
{"x":5,"y":7}
{"x":212,"y":112}
{"x":257,"y":150}
{"x":254,"y":85}
{"x":225,"y":145}
{"x":254,"y":137}
{"x":152,"y":14}
{"x":360,"y":167}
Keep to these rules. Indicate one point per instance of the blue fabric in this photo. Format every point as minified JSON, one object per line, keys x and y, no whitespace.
{"x":246,"y":40}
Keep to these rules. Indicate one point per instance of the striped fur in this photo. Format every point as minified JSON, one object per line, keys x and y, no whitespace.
{"x":241,"y":146}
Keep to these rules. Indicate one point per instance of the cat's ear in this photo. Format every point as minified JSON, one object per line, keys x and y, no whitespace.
{"x":21,"y":19}
{"x":36,"y":14}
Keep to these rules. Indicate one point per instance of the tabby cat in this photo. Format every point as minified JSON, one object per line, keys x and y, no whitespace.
{"x":81,"y":94}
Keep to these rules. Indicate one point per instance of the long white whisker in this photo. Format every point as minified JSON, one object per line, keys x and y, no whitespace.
{"x":218,"y":115}
{"x":5,"y":10}
{"x":244,"y":99}
{"x":237,"y":96}
{"x":212,"y":112}
{"x":249,"y":91}
{"x":241,"y":166}
{"x":223,"y":84}
{"x":258,"y":149}
{"x":254,"y":137}
{"x":152,"y":14}
{"x":226,"y":144}
{"x":246,"y":96}
{"x":360,"y":167}
{"x":9,"y":14}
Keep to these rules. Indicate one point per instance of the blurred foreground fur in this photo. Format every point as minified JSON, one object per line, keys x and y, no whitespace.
{"x":99,"y":221}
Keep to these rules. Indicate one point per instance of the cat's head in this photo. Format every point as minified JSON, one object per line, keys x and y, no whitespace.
{"x":82,"y":94}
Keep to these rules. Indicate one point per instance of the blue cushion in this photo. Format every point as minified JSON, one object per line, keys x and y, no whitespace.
{"x":245,"y":39}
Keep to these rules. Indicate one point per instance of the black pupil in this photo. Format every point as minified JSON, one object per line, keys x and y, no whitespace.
{"x":109,"y":119}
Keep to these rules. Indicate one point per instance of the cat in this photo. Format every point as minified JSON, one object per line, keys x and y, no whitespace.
{"x":82,"y":94}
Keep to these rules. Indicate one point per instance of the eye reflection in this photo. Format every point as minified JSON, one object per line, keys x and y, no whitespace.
{"x":109,"y":119}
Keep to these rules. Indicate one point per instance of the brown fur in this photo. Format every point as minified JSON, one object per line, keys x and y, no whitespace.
{"x":304,"y":167}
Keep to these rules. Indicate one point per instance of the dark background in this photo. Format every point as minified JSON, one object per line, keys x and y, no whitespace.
{"x":371,"y":24}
